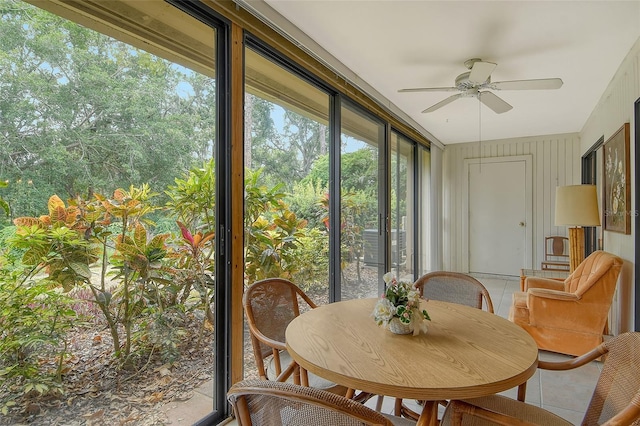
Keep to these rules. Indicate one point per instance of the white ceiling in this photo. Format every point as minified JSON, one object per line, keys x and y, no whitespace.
{"x":394,"y":44}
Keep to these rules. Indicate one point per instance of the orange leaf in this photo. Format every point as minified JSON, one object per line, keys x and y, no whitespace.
{"x":54,"y":203}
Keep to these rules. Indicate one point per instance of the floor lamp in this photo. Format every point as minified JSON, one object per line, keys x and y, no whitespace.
{"x":576,"y":206}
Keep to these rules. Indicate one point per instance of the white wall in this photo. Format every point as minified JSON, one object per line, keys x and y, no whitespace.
{"x":614,"y":109}
{"x":556,"y":162}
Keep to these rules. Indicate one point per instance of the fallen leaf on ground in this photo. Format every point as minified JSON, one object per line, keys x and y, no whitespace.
{"x":155,"y":397}
{"x":94,"y":416}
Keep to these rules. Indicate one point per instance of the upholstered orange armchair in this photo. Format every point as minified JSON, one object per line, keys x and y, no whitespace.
{"x":569,"y":317}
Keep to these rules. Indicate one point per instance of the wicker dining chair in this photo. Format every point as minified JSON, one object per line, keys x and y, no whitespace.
{"x":270,"y":305}
{"x":267,"y":403}
{"x":453,"y":287}
{"x":615,"y":400}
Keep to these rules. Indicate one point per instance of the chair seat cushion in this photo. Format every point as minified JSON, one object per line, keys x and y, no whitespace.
{"x":285,"y":359}
{"x":510,"y":407}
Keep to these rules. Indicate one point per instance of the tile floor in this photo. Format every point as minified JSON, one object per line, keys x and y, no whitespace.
{"x":565,"y":393}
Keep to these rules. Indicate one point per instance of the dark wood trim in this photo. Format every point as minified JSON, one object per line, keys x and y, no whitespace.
{"x":590,"y":176}
{"x":237,"y":201}
{"x":636,"y":118}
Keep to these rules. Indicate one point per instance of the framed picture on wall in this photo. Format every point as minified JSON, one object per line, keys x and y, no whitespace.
{"x":617,"y":183}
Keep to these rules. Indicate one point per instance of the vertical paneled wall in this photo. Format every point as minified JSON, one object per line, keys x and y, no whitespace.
{"x":614,"y":109}
{"x":556,"y":162}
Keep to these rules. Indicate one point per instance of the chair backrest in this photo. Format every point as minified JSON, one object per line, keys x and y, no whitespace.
{"x":617,"y":392}
{"x":270,"y":305}
{"x":599,"y":266}
{"x":556,"y":254}
{"x":267,"y":403}
{"x":556,"y":248}
{"x":454,"y":287}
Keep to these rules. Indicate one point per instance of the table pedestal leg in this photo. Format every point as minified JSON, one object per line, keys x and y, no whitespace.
{"x":304,"y":377}
{"x":429,"y":415}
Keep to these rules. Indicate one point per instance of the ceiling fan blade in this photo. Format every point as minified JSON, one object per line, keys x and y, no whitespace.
{"x":540,"y":84}
{"x":429,"y":89}
{"x":481,"y":71}
{"x":444,"y":102}
{"x":495,"y":103}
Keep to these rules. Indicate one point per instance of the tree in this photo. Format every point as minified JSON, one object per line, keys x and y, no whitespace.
{"x":82,"y":112}
{"x":286,"y":155}
{"x":3,"y":204}
{"x":306,"y":140}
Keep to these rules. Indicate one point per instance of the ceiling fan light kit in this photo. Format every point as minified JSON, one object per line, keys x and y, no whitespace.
{"x":477,"y":83}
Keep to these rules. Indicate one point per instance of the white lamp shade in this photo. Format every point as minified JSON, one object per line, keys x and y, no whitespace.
{"x":577,"y":205}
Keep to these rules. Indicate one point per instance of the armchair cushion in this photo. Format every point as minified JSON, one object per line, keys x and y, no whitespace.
{"x":598,"y":266}
{"x":569,"y":317}
{"x":537,"y":282}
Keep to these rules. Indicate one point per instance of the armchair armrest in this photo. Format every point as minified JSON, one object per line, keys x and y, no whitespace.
{"x":274,"y":344}
{"x":552,"y":294}
{"x":556,"y":309}
{"x":539,"y":282}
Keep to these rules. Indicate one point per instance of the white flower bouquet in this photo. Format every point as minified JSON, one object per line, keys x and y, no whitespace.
{"x":400,"y":302}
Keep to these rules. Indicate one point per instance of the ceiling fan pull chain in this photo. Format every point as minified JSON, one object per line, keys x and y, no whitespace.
{"x":480,"y":130}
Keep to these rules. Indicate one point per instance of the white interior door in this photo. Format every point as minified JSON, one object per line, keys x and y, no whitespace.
{"x":499,"y":212}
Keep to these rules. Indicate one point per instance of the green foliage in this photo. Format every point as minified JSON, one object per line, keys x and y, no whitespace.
{"x":3,"y":204}
{"x":353,"y":217}
{"x":306,"y":202}
{"x":312,"y":255}
{"x":56,"y":242}
{"x":10,"y":257}
{"x":272,"y":232}
{"x":319,"y":173}
{"x":359,"y":171}
{"x":193,"y":199}
{"x":194,"y":268}
{"x":34,"y":320}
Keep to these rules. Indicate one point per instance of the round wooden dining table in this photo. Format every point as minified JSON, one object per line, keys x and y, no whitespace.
{"x":466,"y":352}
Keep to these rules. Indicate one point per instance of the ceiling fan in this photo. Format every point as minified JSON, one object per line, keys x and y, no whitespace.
{"x":474,"y":82}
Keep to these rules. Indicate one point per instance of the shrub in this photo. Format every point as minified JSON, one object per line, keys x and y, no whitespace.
{"x":306,"y":203}
{"x":34,"y":321}
{"x":313,"y":256}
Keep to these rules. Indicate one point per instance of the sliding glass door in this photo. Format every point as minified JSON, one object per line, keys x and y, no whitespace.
{"x":286,"y":216}
{"x":403,"y":207}
{"x":363,"y":222}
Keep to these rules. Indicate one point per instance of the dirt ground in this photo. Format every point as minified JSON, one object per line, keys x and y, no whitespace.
{"x":97,"y":392}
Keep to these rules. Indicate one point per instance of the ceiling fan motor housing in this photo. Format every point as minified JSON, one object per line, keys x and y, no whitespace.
{"x":463,"y":83}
